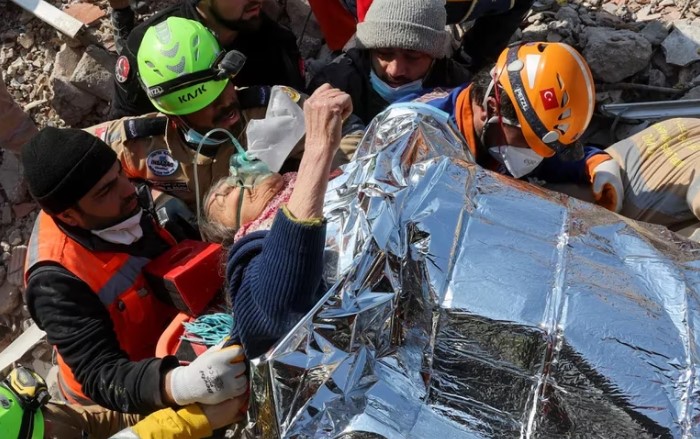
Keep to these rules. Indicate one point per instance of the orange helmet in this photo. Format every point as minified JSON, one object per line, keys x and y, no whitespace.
{"x":552,"y":91}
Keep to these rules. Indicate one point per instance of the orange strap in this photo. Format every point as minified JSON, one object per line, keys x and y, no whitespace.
{"x":465,"y":119}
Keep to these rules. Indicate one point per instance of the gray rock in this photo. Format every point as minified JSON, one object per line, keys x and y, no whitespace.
{"x":657,"y":77}
{"x":9,"y":298}
{"x":568,"y":14}
{"x":554,"y":37}
{"x":625,"y":130}
{"x":66,"y":61}
{"x":41,"y":352}
{"x":542,"y":5}
{"x":610,"y":8}
{"x":535,"y":32}
{"x":15,"y":237}
{"x":6,"y":215}
{"x":15,"y":270}
{"x":655,"y":32}
{"x":586,"y":18}
{"x":682,"y":46}
{"x":614,"y":55}
{"x":689,"y":74}
{"x":658,"y":60}
{"x":11,"y":178}
{"x":3,"y":274}
{"x":93,"y":74}
{"x":562,"y":27}
{"x":71,"y":103}
{"x":42,"y":367}
{"x":693,"y":93}
{"x":26,"y":40}
{"x":537,"y":17}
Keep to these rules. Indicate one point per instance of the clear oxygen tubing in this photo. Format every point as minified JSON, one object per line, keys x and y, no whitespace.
{"x":235,"y":142}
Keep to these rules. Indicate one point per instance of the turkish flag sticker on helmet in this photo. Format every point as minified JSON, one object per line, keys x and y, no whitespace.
{"x":549,"y":99}
{"x":122,"y":68}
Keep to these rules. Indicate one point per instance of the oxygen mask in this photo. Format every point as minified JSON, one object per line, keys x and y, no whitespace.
{"x":243,"y":171}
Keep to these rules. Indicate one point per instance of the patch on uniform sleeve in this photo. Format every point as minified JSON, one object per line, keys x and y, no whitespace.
{"x":161,"y":163}
{"x":101,"y":133}
{"x":122,"y":69}
{"x":145,"y":127}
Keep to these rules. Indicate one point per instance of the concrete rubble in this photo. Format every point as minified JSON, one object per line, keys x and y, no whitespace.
{"x":66,"y":83}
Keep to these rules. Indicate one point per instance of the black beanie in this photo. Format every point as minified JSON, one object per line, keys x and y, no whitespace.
{"x":61,"y":165}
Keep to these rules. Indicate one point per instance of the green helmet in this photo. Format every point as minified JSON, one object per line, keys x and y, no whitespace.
{"x":171,"y":56}
{"x":12,"y":416}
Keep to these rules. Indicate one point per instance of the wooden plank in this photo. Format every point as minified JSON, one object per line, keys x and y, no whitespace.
{"x":52,"y":15}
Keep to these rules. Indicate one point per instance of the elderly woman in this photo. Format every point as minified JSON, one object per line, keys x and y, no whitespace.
{"x":231,"y":211}
{"x":274,"y":276}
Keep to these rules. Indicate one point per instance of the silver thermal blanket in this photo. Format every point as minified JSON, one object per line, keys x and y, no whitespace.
{"x":466,"y":304}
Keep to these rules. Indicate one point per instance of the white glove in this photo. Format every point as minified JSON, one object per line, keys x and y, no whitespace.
{"x":215,"y":376}
{"x":607,"y":185}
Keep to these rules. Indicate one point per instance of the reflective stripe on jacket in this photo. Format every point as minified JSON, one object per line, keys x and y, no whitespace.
{"x":137,"y":315}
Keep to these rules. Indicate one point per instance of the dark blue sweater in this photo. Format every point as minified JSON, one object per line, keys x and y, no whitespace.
{"x":274,"y":279}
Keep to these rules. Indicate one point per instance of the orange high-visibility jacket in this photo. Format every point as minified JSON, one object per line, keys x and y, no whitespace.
{"x":137,"y":315}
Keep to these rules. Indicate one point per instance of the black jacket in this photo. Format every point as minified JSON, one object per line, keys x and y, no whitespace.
{"x":80,"y":327}
{"x":350,"y":73}
{"x":272,"y":54}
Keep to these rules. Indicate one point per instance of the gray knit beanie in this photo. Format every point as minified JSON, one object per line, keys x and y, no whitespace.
{"x":405,"y":24}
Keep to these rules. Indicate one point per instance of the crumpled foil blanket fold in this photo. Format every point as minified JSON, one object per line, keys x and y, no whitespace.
{"x":465,"y":304}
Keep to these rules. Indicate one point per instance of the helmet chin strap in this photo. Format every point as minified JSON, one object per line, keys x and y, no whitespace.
{"x":492,"y":87}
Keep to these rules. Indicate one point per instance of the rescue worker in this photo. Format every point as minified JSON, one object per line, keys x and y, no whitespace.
{"x":161,"y":148}
{"x":26,"y":411}
{"x":16,"y":127}
{"x":275,"y":276}
{"x":659,"y":167}
{"x":489,"y":26}
{"x":661,"y":175}
{"x":271,"y":50}
{"x":85,"y":287}
{"x":525,"y":116}
{"x":402,"y":50}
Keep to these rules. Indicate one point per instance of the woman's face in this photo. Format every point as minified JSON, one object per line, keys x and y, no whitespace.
{"x":223,"y":203}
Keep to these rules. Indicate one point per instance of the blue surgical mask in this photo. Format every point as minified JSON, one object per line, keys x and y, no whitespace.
{"x":194,"y":138}
{"x":393,"y":94}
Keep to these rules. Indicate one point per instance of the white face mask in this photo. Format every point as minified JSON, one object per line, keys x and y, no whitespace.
{"x":273,"y":138}
{"x":126,"y":232}
{"x":518,"y":161}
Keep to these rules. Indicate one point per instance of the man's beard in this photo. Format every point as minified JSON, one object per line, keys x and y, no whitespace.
{"x":250,"y":25}
{"x":237,"y":128}
{"x":95,"y":222}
